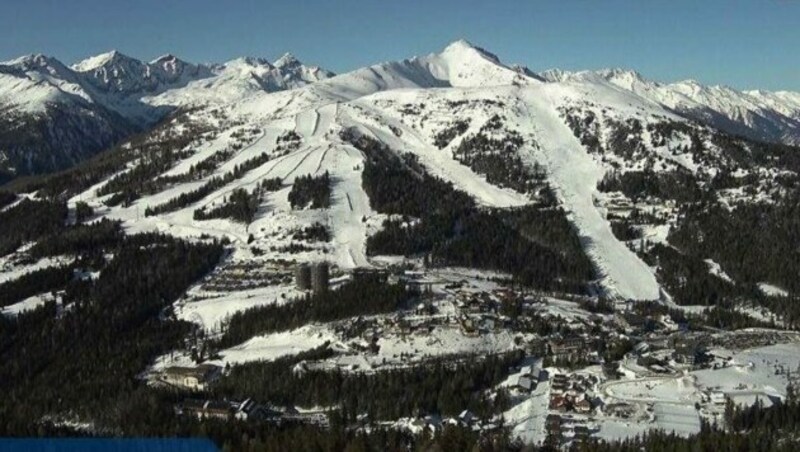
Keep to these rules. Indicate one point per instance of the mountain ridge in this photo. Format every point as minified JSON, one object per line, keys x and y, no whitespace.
{"x":109,"y":95}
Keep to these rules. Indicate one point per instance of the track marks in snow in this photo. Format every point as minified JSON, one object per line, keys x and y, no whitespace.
{"x":299,"y":164}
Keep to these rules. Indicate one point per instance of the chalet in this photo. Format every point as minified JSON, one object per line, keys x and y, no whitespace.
{"x":506,"y":295}
{"x":205,"y":409}
{"x":559,"y":383}
{"x":468,"y":328}
{"x":192,"y":378}
{"x":425,"y":308}
{"x":475,"y":305}
{"x":559,"y":403}
{"x":582,"y":405}
{"x":567,"y":348}
{"x":631,"y":322}
{"x":688,"y":353}
{"x":370,"y":275}
{"x":718,"y":398}
{"x":417,"y":282}
{"x":489,"y":324}
{"x":641,"y":348}
{"x":668,"y":323}
{"x":525,"y":384}
{"x":250,"y":410}
{"x":466,"y":417}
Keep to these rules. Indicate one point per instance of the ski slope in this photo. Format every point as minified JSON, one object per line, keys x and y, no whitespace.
{"x":575,"y":176}
{"x":460,"y":83}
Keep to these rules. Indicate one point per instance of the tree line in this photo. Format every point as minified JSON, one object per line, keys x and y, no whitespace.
{"x":354,"y":298}
{"x":84,"y":357}
{"x":444,"y":386}
{"x":311,"y":191}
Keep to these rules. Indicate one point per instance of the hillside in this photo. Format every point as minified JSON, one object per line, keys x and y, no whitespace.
{"x":53,"y":116}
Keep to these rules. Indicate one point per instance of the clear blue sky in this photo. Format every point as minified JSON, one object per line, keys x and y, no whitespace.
{"x":745,"y":44}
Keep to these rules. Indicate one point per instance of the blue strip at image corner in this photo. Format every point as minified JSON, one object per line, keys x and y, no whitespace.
{"x":107,"y":444}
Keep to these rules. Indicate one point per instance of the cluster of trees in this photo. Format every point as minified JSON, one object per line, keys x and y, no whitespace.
{"x":537,"y":245}
{"x":625,"y":139}
{"x":145,"y":177}
{"x":34,"y":283}
{"x":28,"y":221}
{"x":357,"y":297}
{"x":735,"y":151}
{"x":749,"y":153}
{"x":662,"y":132}
{"x":725,"y":317}
{"x":6,"y":198}
{"x":85,"y":360}
{"x":624,"y":230}
{"x":240,"y":206}
{"x":147,"y":187}
{"x":688,"y":278}
{"x":722,"y":316}
{"x":311,"y":190}
{"x":317,"y":232}
{"x":585,"y":127}
{"x":400,"y":185}
{"x":150,"y":414}
{"x":443,"y":386}
{"x":155,"y":151}
{"x":209,"y":164}
{"x":498,"y":158}
{"x":215,"y":183}
{"x":766,"y":153}
{"x":83,"y":211}
{"x":378,"y":439}
{"x":271,"y":184}
{"x":752,"y":242}
{"x":448,"y":134}
{"x":679,"y":185}
{"x":287,"y":142}
{"x":80,"y":240}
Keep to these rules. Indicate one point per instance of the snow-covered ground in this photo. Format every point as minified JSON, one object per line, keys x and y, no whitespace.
{"x":772,"y":290}
{"x":666,"y":402}
{"x":210,"y":310}
{"x":10,"y":270}
{"x":27,"y":304}
{"x":371,"y":101}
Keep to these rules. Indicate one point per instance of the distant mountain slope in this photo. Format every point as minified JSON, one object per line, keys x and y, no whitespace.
{"x":761,"y":115}
{"x":53,"y":116}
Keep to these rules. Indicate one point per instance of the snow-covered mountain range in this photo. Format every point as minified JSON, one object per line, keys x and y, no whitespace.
{"x":485,"y":127}
{"x":54,"y":116}
{"x":758,"y":114}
